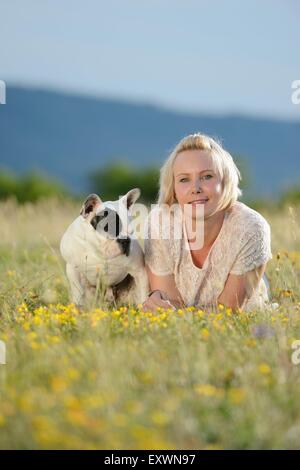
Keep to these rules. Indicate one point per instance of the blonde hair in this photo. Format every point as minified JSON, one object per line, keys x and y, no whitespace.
{"x":222,"y":162}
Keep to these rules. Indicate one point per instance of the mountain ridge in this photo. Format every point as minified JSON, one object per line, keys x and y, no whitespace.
{"x":68,"y":136}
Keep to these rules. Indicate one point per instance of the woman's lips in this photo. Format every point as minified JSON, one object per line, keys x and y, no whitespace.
{"x":199,"y":201}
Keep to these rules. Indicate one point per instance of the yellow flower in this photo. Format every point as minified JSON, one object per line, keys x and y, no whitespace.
{"x":251,"y":342}
{"x":32,"y":335}
{"x":93,"y":401}
{"x":11,"y":273}
{"x":26,"y":402}
{"x":54,"y":339}
{"x":37,"y":321}
{"x":228,"y":311}
{"x":116,"y":313}
{"x":26,"y":326}
{"x":4,"y":336}
{"x":58,"y":384}
{"x":192,"y":308}
{"x":264,"y":368}
{"x":77,"y":418}
{"x":200,"y":313}
{"x":217,"y":326}
{"x":22,"y":308}
{"x":72,"y":374}
{"x":72,"y":402}
{"x":159,"y":418}
{"x":236,"y":395}
{"x":208,"y":390}
{"x":205,"y":333}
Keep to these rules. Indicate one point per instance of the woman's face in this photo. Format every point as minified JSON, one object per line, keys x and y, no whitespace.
{"x":195,"y":181}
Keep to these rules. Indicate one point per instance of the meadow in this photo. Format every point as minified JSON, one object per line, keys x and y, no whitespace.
{"x":127,"y":379}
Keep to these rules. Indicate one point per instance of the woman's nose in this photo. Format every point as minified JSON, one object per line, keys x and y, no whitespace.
{"x":196,"y":188}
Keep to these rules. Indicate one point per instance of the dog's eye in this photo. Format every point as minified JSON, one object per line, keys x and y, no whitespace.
{"x":107,"y":221}
{"x":103,"y":215}
{"x":95,"y":220}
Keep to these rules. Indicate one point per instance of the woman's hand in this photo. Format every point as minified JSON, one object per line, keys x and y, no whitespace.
{"x":157,"y":299}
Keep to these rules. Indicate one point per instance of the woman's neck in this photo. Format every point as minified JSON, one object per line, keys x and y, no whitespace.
{"x":211,"y":226}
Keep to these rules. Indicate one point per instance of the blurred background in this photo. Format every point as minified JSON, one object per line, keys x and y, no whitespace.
{"x":98,"y":93}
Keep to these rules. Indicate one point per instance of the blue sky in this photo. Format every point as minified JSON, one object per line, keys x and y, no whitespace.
{"x":216,"y":56}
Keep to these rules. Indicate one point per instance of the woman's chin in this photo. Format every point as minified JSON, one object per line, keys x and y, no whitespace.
{"x":199,"y":210}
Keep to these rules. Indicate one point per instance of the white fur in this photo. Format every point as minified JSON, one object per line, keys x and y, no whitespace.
{"x":89,"y":254}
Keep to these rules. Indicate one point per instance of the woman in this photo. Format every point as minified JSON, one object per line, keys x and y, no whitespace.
{"x":228,"y":267}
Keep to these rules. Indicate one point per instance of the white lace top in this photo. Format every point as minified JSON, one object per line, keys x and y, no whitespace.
{"x":242,"y":244}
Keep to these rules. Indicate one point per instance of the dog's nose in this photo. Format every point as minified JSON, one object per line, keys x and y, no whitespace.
{"x":125,"y":244}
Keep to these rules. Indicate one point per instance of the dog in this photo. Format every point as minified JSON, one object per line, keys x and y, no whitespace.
{"x":100,"y":250}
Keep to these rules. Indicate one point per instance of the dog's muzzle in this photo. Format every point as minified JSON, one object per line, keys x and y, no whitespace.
{"x":125,"y":244}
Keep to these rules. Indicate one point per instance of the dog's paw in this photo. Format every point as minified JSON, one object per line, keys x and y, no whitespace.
{"x":109,"y":295}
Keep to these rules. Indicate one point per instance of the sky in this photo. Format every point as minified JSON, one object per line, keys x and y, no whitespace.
{"x":212,"y":56}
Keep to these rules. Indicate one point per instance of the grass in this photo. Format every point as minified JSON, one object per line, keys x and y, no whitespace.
{"x":126,"y":379}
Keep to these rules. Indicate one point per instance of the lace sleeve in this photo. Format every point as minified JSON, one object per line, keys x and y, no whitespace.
{"x":255,"y":248}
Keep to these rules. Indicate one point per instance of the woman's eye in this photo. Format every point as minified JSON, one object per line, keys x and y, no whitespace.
{"x":205,"y":177}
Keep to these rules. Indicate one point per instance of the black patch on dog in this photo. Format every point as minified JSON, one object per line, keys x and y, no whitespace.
{"x":125,"y":245}
{"x":94,"y":221}
{"x":123,"y":287}
{"x":89,"y":209}
{"x":108,"y":221}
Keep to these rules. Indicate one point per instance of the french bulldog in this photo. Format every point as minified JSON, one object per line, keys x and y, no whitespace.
{"x":100,"y":249}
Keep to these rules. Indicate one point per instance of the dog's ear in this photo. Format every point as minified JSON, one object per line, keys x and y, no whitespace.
{"x":90,"y":205}
{"x":131,"y":197}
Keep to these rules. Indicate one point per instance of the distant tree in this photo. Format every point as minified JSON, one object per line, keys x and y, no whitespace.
{"x":118,"y":178}
{"x":149,"y":184}
{"x":34,"y":186}
{"x":290,"y":196}
{"x":8,"y":184}
{"x":30,"y":187}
